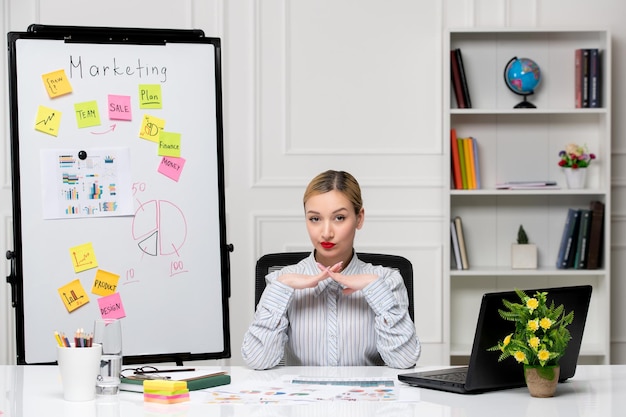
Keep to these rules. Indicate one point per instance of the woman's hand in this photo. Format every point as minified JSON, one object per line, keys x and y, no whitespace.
{"x":351,"y":283}
{"x":301,"y":281}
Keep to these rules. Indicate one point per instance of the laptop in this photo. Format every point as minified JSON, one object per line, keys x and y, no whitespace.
{"x":484,"y":372}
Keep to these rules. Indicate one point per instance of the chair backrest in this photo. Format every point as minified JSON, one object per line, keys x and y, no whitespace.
{"x":274,"y":261}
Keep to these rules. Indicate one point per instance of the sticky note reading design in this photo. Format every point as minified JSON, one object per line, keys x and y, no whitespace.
{"x":48,"y":120}
{"x":111,"y":307}
{"x":56,"y":83}
{"x":150,"y":96}
{"x":119,"y":107}
{"x":105,"y":283}
{"x":169,"y":144}
{"x":83,"y":257}
{"x":73,"y":295}
{"x":171,"y":167}
{"x":87,"y":114}
{"x":151,"y":128}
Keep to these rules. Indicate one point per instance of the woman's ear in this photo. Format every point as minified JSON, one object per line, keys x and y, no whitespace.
{"x":360,"y":218}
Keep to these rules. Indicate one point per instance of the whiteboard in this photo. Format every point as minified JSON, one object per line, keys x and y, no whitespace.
{"x":164,"y":235}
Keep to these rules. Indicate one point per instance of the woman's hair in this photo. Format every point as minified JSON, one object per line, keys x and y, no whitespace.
{"x":336,"y":180}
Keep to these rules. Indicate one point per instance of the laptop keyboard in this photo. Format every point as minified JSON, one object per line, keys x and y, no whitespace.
{"x":451,"y":377}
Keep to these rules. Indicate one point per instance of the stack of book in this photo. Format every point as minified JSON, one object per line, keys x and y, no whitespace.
{"x":458,"y":244}
{"x":465,"y":166}
{"x":581,"y":241}
{"x":587,"y":78}
{"x":459,"y":80}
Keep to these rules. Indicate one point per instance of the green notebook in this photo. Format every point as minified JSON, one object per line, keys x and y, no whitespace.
{"x":194,"y":382}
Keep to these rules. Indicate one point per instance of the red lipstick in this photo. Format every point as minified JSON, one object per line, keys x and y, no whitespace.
{"x":327,"y":245}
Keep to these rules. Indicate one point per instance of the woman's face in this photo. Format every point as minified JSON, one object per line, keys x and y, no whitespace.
{"x":332,"y":224}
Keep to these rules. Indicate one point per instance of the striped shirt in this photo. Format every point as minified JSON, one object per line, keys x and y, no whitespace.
{"x":322,"y":327}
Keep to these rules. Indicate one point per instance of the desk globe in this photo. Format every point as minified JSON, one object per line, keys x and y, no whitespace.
{"x":522,"y":76}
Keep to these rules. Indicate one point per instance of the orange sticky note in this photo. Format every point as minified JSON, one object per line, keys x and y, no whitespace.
{"x":150,"y":96}
{"x":48,"y":120}
{"x":169,"y":144}
{"x":83,"y":257}
{"x":56,"y":83}
{"x":73,"y":295}
{"x":105,"y":283}
{"x":151,"y":128}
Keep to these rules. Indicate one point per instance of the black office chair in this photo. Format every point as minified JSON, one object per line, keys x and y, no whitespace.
{"x":274,"y":261}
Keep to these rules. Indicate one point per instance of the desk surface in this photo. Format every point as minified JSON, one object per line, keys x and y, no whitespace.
{"x":34,"y":391}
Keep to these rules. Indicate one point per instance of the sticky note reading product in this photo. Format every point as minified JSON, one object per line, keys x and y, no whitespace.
{"x":119,"y":107}
{"x":111,"y":307}
{"x":73,"y":295}
{"x":83,"y":257}
{"x":150,"y":96}
{"x":56,"y":83}
{"x":87,"y":114}
{"x":171,"y":167}
{"x":169,"y":144}
{"x":48,"y":120}
{"x":105,"y":283}
{"x":151,"y":128}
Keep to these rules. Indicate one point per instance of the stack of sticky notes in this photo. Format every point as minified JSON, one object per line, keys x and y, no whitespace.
{"x":165,"y":391}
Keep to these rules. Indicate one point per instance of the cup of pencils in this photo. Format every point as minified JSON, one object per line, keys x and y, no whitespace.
{"x":79,"y":363}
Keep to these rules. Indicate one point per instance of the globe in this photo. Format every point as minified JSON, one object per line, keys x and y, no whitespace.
{"x":522,"y":76}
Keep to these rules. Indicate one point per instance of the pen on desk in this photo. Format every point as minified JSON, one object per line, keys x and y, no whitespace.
{"x":165,"y":371}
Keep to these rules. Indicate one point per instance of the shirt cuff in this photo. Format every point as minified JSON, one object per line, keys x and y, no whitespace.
{"x":277,"y":296}
{"x":379,"y":296}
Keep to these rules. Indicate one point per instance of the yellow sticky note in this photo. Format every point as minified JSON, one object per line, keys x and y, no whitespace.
{"x":73,"y":295}
{"x":83,"y":257}
{"x":56,"y":83}
{"x":150,"y":96}
{"x":151,"y":128}
{"x":169,"y":144}
{"x":87,"y":114}
{"x":48,"y":120}
{"x":105,"y":283}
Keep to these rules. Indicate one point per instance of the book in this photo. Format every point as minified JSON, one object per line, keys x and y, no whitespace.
{"x":585,"y":78}
{"x":455,"y":246}
{"x":527,"y":185}
{"x":594,"y":78}
{"x":461,"y":148}
{"x":458,"y":224}
{"x":464,"y":86}
{"x":456,"y":164}
{"x":568,"y":238}
{"x":469,"y":163}
{"x":455,"y":75}
{"x":197,"y":379}
{"x":596,"y":235}
{"x":476,"y":164}
{"x":578,"y":78}
{"x":582,"y":246}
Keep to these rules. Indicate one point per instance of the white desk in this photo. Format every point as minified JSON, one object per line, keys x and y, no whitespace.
{"x":595,"y":391}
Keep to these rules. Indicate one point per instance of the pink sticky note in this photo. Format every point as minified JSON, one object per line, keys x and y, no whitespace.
{"x":171,"y":167}
{"x":111,"y":306}
{"x":119,"y":107}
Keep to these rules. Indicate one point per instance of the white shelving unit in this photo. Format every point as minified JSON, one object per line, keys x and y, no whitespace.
{"x":523,"y":144}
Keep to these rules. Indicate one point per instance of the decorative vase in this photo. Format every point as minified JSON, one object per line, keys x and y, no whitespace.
{"x":542,"y":380}
{"x":523,"y":256}
{"x":575,"y":177}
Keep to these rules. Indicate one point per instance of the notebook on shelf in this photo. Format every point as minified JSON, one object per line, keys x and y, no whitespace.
{"x":484,"y":372}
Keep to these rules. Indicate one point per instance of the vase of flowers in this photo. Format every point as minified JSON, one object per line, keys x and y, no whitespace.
{"x":538,"y":341}
{"x":574,"y":160}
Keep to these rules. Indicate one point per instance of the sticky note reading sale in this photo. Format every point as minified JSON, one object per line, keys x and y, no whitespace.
{"x":48,"y":121}
{"x":87,"y":114}
{"x":73,"y":295}
{"x":119,"y":107}
{"x":56,"y":83}
{"x":169,"y":144}
{"x":105,"y":283}
{"x":171,"y":167}
{"x":83,"y":257}
{"x":151,"y":128}
{"x":111,"y":307}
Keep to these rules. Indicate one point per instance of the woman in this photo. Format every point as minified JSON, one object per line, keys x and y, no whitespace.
{"x":332,"y":309}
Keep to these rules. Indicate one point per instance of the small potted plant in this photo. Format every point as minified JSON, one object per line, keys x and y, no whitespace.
{"x":538,"y":341}
{"x":523,"y":254}
{"x":574,"y":160}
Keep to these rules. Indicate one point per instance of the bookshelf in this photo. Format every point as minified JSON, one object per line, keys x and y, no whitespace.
{"x":523,"y":145}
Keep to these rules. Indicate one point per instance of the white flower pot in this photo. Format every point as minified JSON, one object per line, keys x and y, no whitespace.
{"x":575,"y":178}
{"x":524,"y":256}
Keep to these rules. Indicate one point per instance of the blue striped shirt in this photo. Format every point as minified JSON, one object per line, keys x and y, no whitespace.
{"x":322,"y":327}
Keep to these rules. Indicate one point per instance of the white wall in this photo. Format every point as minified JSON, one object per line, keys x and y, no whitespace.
{"x":343,"y":84}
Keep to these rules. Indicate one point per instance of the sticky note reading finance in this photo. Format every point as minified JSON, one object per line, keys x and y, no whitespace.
{"x":151,"y":128}
{"x":83,"y":257}
{"x":169,"y":144}
{"x":119,"y":107}
{"x":111,"y":307}
{"x":73,"y":295}
{"x":150,"y":96}
{"x":48,"y":121}
{"x":56,"y":83}
{"x":87,"y":114}
{"x":105,"y":283}
{"x":171,"y":167}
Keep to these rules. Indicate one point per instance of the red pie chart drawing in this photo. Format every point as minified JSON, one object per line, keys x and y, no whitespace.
{"x":160,"y":228}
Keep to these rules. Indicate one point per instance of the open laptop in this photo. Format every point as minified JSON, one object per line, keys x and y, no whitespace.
{"x":484,"y":372}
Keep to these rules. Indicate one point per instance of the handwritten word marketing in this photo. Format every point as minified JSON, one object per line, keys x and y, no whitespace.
{"x":114,"y":68}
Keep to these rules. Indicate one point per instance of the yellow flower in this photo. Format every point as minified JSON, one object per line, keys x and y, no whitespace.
{"x":507,"y":340}
{"x":532,"y":304}
{"x":533,"y":325}
{"x":534,"y":342}
{"x":545,"y":323}
{"x":519,"y":356}
{"x":543,"y":355}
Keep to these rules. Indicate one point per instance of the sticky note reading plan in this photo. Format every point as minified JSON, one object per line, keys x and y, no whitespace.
{"x":150,"y":96}
{"x":169,"y":144}
{"x":56,"y":83}
{"x":73,"y":295}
